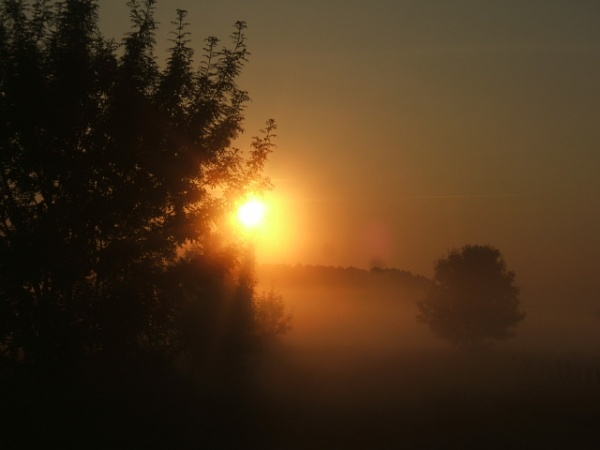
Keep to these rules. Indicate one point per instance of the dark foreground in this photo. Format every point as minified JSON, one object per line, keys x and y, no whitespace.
{"x":296,"y":401}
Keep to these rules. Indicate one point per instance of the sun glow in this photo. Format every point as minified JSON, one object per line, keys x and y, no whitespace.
{"x":252,"y":213}
{"x":272,"y":224}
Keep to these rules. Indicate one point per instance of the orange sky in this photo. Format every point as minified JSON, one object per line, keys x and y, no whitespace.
{"x":409,"y":127}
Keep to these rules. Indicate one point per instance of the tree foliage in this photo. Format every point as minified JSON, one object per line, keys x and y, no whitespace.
{"x":473,"y":299}
{"x":114,"y":174}
{"x":272,"y":318}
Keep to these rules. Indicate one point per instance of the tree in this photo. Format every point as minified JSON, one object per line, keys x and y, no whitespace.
{"x":473,"y":299}
{"x":272,"y":317}
{"x":115,"y":176}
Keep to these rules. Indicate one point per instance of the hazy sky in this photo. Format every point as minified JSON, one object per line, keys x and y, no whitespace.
{"x":410,"y":127}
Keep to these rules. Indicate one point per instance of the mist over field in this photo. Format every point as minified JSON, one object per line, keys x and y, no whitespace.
{"x":357,"y":369}
{"x":375,"y":312}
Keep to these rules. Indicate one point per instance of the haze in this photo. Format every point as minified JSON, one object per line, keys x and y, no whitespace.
{"x":405,"y":129}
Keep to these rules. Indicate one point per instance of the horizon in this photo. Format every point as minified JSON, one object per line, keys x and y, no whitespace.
{"x":407,"y":129}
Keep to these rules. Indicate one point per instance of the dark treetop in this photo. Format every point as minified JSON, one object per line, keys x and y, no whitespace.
{"x":114,"y":174}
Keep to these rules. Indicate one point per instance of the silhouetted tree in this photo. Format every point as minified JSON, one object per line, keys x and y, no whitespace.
{"x":473,"y":299}
{"x":114,"y":176}
{"x":272,"y":318}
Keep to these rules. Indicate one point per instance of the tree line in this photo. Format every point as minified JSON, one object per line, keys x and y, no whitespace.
{"x":471,"y":301}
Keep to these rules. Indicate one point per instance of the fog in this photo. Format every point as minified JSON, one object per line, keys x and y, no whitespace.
{"x":358,"y":371}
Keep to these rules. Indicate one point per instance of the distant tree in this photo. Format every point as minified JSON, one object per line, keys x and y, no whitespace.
{"x":473,"y":299}
{"x":115,"y":175}
{"x":272,"y":318}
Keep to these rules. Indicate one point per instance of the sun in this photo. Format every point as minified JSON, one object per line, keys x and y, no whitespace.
{"x":252,"y":213}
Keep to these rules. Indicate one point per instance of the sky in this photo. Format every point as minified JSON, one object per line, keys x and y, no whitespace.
{"x":407,"y":128}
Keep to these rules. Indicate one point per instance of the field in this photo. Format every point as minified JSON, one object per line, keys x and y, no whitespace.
{"x":355,"y":372}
